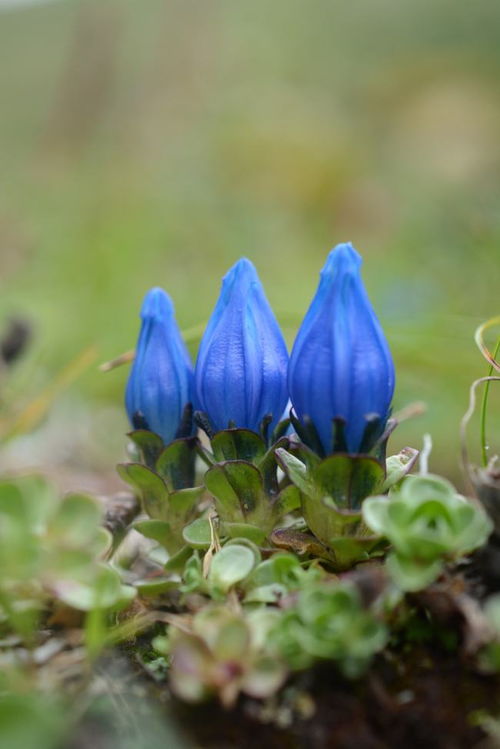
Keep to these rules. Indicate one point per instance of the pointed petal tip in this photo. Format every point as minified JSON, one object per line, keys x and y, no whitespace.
{"x":243,"y":268}
{"x":344,"y":259}
{"x":157,"y":305}
{"x":241,"y":275}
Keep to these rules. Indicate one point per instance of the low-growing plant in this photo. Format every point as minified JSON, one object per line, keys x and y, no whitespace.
{"x":329,"y":622}
{"x":220,"y":651}
{"x":427,"y":523}
{"x":52,"y":548}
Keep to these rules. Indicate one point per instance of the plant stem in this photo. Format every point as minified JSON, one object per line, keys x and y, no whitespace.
{"x":484,"y":403}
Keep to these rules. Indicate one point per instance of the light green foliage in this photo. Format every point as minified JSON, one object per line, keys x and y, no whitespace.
{"x":164,"y":483}
{"x":224,"y":652}
{"x":426,"y":522}
{"x":51,"y":548}
{"x":31,"y":721}
{"x":331,"y":493}
{"x":227,"y":569}
{"x":238,"y":566}
{"x":328,"y":622}
{"x":277,"y":576}
{"x":243,"y":481}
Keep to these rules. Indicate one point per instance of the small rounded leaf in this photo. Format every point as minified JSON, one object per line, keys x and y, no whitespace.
{"x":231,"y":565}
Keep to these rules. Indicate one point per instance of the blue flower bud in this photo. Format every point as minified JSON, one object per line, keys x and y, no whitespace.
{"x":340,"y":365}
{"x":160,"y":383}
{"x":240,"y":373}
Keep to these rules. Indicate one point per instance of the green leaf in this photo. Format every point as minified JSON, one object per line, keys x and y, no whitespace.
{"x":398,"y":466}
{"x":77,"y":519}
{"x":420,"y":488}
{"x":182,"y":503}
{"x":149,"y":486}
{"x":156,"y":530}
{"x":238,"y":490}
{"x":105,"y":591}
{"x":249,"y":544}
{"x":410,"y":575}
{"x":297,"y":472}
{"x":230,"y":565}
{"x":149,"y":443}
{"x":178,"y":560}
{"x":244,"y":530}
{"x":271,"y":593}
{"x":267,"y":464}
{"x":32,"y":499}
{"x":237,"y":444}
{"x":280,"y":568}
{"x":264,"y":678}
{"x":289,"y":499}
{"x":192,"y":574}
{"x":232,"y":639}
{"x":349,"y":479}
{"x":176,"y":463}
{"x":198,"y":534}
{"x":327,"y":521}
{"x":155,"y":586}
{"x":351,"y":549}
{"x":375,"y":514}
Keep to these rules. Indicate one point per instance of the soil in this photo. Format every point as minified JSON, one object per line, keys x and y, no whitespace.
{"x":435,"y":703}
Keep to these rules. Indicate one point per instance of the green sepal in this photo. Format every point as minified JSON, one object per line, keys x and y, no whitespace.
{"x":349,"y":479}
{"x":182,"y":504}
{"x":297,"y":472}
{"x":176,"y":463}
{"x":238,"y":490}
{"x":288,"y":500}
{"x":150,"y":487}
{"x":237,"y":444}
{"x":328,"y":522}
{"x":149,"y":443}
{"x":307,"y":433}
{"x":267,"y":465}
{"x":280,"y":430}
{"x":305,"y":454}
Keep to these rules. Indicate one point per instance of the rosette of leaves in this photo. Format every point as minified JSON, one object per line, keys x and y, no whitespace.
{"x":328,"y":622}
{"x":331,"y":492}
{"x":427,"y":523}
{"x":52,"y":547}
{"x":238,"y":566}
{"x":164,"y":482}
{"x":223,"y":652}
{"x":277,"y":577}
{"x":242,"y":479}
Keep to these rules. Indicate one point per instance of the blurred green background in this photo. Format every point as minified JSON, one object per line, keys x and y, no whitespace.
{"x":153,"y":143}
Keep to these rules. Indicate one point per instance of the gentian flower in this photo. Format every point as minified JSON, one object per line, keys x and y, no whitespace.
{"x":160,"y":383}
{"x":240,"y":373}
{"x":340,"y":365}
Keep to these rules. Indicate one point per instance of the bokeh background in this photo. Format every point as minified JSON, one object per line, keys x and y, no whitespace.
{"x":155,"y":142}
